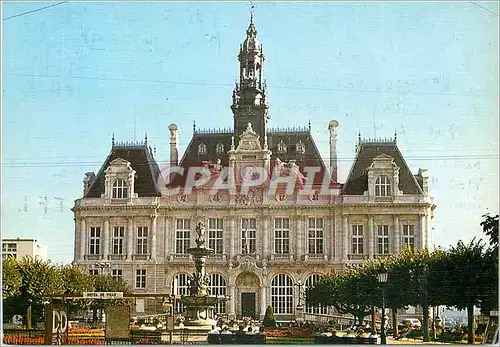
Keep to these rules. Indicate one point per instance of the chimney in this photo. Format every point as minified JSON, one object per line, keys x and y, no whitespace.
{"x":174,"y":148}
{"x":332,"y":127}
{"x":87,"y":182}
{"x":425,"y":180}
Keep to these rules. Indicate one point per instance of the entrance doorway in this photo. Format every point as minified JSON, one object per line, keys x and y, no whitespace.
{"x":248,"y":305}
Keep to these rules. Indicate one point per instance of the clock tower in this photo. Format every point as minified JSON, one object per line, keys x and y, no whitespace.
{"x":249,"y":94}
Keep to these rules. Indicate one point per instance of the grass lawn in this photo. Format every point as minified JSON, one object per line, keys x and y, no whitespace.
{"x":289,"y":341}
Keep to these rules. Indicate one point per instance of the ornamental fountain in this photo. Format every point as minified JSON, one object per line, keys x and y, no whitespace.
{"x":199,"y":304}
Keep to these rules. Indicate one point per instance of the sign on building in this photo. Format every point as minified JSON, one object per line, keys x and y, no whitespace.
{"x":103,"y":295}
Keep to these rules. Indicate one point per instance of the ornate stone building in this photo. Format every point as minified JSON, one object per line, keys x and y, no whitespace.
{"x":275,"y":215}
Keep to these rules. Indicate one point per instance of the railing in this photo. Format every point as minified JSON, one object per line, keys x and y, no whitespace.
{"x":214,"y":131}
{"x":141,"y":256}
{"x":324,"y":319}
{"x":93,"y":256}
{"x":288,"y":130}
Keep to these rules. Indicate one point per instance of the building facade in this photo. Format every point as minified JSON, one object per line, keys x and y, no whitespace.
{"x":20,"y":248}
{"x":274,"y":213}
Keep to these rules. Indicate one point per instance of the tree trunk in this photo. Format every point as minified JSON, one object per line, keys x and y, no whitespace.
{"x":395,"y":331}
{"x":374,"y":323}
{"x":425,"y":323}
{"x":470,"y":324}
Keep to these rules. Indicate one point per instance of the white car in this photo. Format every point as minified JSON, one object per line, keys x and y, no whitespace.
{"x":415,"y":323}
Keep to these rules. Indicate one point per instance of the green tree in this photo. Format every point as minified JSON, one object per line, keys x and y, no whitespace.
{"x":351,"y":291}
{"x":39,"y":279}
{"x":76,"y":282}
{"x":11,"y":278}
{"x":489,"y":295}
{"x":269,"y":320}
{"x":490,"y":228}
{"x":106,"y":283}
{"x":467,"y":265}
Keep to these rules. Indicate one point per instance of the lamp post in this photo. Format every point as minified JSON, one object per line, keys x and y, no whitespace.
{"x":382,"y":278}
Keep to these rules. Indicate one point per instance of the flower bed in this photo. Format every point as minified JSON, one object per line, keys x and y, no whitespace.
{"x":288,"y":332}
{"x":23,"y":340}
{"x":82,"y":341}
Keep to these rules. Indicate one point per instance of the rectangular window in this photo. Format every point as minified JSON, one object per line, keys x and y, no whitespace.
{"x":281,"y":235}
{"x":140,"y":278}
{"x":95,"y":240}
{"x":182,"y":235}
{"x":116,"y":274}
{"x":215,"y":234}
{"x":142,"y":240}
{"x":9,"y":247}
{"x":357,"y":239}
{"x":409,"y":235}
{"x":248,"y":235}
{"x":118,"y":233}
{"x":93,"y":272}
{"x":383,"y":239}
{"x":315,"y":235}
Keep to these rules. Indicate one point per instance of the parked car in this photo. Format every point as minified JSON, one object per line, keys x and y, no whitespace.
{"x":414,"y":322}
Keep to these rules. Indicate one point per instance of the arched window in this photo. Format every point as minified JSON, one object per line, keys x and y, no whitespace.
{"x":119,"y":189}
{"x":220,"y":148}
{"x":282,"y":294}
{"x":202,"y":149}
{"x":281,"y":147}
{"x":180,"y":286}
{"x":300,"y":147}
{"x":383,"y":186}
{"x":218,"y":287}
{"x":310,"y":282}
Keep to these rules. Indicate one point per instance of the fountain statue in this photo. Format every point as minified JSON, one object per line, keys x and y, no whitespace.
{"x":199,"y":304}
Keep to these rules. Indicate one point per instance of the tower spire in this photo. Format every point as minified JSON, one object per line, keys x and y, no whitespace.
{"x":252,"y":7}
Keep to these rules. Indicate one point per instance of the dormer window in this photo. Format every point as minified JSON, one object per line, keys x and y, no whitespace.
{"x":119,"y":189}
{"x":300,"y":148}
{"x":383,"y":186}
{"x":220,"y":148}
{"x":202,"y":149}
{"x":281,"y":147}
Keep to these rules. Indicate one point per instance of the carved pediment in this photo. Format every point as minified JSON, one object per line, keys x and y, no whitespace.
{"x":383,"y":161}
{"x":249,"y":140}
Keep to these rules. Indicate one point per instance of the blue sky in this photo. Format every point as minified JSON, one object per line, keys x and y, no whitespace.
{"x":76,"y":73}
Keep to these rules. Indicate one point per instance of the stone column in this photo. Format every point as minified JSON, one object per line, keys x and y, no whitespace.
{"x":265,"y":236}
{"x":167,"y":235}
{"x":300,"y":237}
{"x":105,"y":239}
{"x":233,"y":234}
{"x":332,"y":237}
{"x":371,"y":236}
{"x":345,"y":238}
{"x":154,"y":218}
{"x":428,"y":228}
{"x":232,"y":301}
{"x":130,"y":238}
{"x":263,"y":301}
{"x":397,"y":237}
{"x":421,"y":232}
{"x":83,"y":238}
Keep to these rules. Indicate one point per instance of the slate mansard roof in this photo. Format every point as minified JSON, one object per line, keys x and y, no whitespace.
{"x":311,"y":157}
{"x":357,"y":181}
{"x":141,"y":159}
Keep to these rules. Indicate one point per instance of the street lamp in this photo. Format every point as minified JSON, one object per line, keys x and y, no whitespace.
{"x":382,"y":278}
